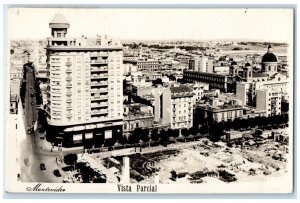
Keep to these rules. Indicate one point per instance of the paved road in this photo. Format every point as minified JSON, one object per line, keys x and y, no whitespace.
{"x":31,"y":154}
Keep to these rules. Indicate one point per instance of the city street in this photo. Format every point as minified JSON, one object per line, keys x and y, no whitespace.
{"x":31,"y":154}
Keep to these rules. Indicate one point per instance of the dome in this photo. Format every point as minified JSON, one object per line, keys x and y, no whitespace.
{"x":59,"y":18}
{"x":59,"y":21}
{"x":269,"y":57}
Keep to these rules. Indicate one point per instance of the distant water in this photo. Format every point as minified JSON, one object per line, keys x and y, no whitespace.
{"x":260,"y":52}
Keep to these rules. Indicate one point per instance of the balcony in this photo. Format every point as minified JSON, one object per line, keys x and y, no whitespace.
{"x":99,"y":62}
{"x":69,"y":93}
{"x":56,"y":99}
{"x":101,"y":83}
{"x":68,"y":78}
{"x":101,"y":104}
{"x":97,"y":112}
{"x":56,"y":94}
{"x":69,"y":100}
{"x":69,"y":107}
{"x":69,"y":115}
{"x":96,"y":117}
{"x":99,"y":97}
{"x":95,"y":69}
{"x":69,"y":85}
{"x":68,"y":63}
{"x":55,"y":79}
{"x":99,"y":76}
{"x":69,"y":70}
{"x":99,"y":90}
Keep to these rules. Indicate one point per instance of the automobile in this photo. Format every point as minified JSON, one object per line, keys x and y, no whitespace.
{"x":56,"y":173}
{"x":42,"y":166}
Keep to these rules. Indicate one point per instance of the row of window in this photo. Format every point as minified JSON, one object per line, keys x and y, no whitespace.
{"x":206,"y":77}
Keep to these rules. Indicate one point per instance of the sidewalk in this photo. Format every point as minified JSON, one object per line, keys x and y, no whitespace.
{"x":43,"y":146}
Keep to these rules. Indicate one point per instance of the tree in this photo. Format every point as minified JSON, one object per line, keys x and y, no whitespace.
{"x":203,"y":129}
{"x":228,"y":125}
{"x":154,"y":135}
{"x":172,"y":77}
{"x":185,"y":132}
{"x":216,"y":131}
{"x":164,"y":137}
{"x":194,"y":130}
{"x":170,"y":132}
{"x":135,"y":137}
{"x":123,"y":140}
{"x":119,"y":138}
{"x":71,"y":159}
{"x":145,"y":135}
{"x":158,"y":81}
{"x":110,"y":142}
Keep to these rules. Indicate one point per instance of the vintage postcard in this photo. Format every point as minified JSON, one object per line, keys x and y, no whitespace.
{"x":161,"y":100}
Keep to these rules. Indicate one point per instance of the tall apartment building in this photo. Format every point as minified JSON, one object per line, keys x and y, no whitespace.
{"x":202,"y":64}
{"x":269,"y":101}
{"x":182,"y":107}
{"x":85,"y":89}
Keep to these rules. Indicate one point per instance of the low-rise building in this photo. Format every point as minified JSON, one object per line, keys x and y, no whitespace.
{"x":252,"y":112}
{"x":198,"y":90}
{"x":137,"y":116}
{"x":220,"y":111}
{"x":14,"y":103}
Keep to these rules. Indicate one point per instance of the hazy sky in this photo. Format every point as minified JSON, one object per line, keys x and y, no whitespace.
{"x":274,"y":25}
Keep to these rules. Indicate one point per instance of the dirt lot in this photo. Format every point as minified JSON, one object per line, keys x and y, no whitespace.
{"x":209,"y":161}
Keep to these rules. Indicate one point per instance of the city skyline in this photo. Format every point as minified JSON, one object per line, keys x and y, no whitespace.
{"x":149,"y":24}
{"x":86,"y":109}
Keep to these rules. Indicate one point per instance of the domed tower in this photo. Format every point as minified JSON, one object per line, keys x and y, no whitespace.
{"x":269,"y":62}
{"x":247,"y":72}
{"x":59,"y":26}
{"x":233,"y":69}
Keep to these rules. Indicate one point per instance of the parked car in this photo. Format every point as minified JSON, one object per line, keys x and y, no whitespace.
{"x":42,"y":166}
{"x":56,"y":173}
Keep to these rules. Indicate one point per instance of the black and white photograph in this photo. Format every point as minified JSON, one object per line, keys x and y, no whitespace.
{"x":140,"y":100}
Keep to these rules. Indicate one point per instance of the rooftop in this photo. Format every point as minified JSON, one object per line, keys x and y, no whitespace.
{"x":221,"y":107}
{"x":269,"y":57}
{"x":135,"y":111}
{"x":181,"y":89}
{"x":259,"y":75}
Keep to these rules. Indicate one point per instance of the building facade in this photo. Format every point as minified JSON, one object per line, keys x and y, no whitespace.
{"x":214,"y":80}
{"x":85,"y":89}
{"x":198,"y":90}
{"x":252,"y":85}
{"x":269,"y":101}
{"x":137,"y":116}
{"x":182,"y":107}
{"x":221,"y":112}
{"x":201,"y":64}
